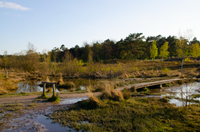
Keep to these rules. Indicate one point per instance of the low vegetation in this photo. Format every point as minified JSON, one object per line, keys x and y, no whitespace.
{"x":135,"y":114}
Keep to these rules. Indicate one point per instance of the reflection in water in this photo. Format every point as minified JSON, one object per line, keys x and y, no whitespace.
{"x":32,"y":86}
{"x":72,"y":100}
{"x":179,"y":94}
{"x":29,"y":87}
{"x":183,"y":91}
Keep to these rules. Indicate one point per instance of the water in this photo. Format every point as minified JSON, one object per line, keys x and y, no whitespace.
{"x":72,"y":100}
{"x":32,"y":86}
{"x":39,"y":121}
{"x":178,"y":94}
{"x":29,"y":87}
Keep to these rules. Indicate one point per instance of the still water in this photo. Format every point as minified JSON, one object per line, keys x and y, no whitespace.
{"x":178,"y":94}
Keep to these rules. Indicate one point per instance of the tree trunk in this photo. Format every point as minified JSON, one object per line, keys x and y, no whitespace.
{"x":182,"y":67}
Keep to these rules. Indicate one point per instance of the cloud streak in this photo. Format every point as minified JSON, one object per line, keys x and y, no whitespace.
{"x":12,"y":6}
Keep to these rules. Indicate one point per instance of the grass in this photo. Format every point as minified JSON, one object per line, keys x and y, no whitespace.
{"x":136,"y":114}
{"x":196,"y":96}
{"x":43,"y":96}
{"x":13,"y":107}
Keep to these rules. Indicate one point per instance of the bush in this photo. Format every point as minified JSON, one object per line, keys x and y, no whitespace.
{"x":126,"y":94}
{"x":164,"y":99}
{"x":67,"y":85}
{"x":22,"y":92}
{"x":133,"y":89}
{"x":180,"y":82}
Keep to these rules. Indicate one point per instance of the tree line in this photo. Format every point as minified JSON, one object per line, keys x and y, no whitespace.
{"x":134,"y":46}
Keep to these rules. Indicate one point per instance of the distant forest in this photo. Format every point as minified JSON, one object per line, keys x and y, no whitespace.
{"x":135,"y":46}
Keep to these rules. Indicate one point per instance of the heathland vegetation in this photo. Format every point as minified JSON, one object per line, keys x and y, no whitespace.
{"x":128,"y":57}
{"x":114,"y":64}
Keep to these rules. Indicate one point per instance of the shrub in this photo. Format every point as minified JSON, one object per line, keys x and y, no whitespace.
{"x":187,"y":59}
{"x":164,"y":99}
{"x":126,"y":94}
{"x":180,"y":82}
{"x":198,"y":76}
{"x":133,"y":89}
{"x":67,"y":85}
{"x":22,"y":92}
{"x":166,"y":70}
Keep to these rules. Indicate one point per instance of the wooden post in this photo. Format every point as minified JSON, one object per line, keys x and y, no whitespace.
{"x":6,"y":73}
{"x":44,"y":88}
{"x":54,"y":90}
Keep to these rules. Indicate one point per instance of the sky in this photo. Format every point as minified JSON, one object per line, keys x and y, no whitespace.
{"x":50,"y":23}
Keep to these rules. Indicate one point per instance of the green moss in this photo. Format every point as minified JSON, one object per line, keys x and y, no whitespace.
{"x":54,"y":99}
{"x":43,"y":96}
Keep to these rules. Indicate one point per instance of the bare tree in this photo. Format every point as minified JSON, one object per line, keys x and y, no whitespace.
{"x":182,"y":45}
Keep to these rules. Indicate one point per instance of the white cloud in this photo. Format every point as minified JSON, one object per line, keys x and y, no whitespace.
{"x":12,"y":6}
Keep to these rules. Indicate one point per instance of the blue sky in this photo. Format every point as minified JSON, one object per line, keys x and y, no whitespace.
{"x":50,"y":23}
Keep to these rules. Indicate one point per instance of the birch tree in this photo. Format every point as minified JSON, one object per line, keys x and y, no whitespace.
{"x":195,"y":50}
{"x":164,"y":53}
{"x":154,"y":50}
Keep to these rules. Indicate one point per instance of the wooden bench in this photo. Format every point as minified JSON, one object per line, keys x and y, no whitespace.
{"x":53,"y":86}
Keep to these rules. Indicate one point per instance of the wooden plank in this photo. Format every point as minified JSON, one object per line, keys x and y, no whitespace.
{"x":49,"y":82}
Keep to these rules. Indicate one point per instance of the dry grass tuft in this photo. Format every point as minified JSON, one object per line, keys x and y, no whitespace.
{"x":3,"y":91}
{"x":94,"y":102}
{"x":106,"y":95}
{"x":47,"y":79}
{"x":104,"y":86}
{"x":117,"y":95}
{"x":60,"y":82}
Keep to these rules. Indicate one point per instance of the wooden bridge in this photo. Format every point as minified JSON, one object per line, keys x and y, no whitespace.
{"x":148,"y":84}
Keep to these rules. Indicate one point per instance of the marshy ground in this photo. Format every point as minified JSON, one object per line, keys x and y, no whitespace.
{"x":128,"y":110}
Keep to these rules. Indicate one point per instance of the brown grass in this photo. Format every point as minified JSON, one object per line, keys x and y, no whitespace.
{"x":117,"y":95}
{"x":104,"y":86}
{"x":3,"y":91}
{"x":94,"y":102}
{"x":106,"y":95}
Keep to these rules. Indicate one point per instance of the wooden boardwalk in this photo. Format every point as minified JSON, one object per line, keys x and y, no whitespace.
{"x":147,"y":84}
